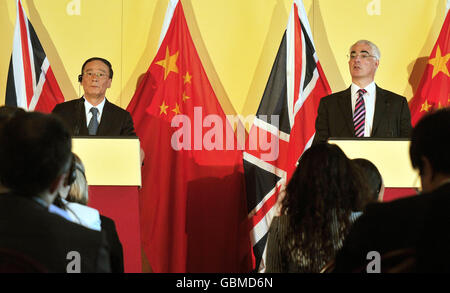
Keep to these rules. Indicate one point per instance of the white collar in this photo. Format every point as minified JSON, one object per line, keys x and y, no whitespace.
{"x":100,"y":106}
{"x":370,"y":88}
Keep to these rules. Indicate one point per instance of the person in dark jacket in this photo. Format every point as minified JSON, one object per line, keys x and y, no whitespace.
{"x":415,"y":229}
{"x":35,"y":156}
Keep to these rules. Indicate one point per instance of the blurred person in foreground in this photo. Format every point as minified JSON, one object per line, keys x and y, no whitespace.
{"x":415,"y":229}
{"x":75,"y":201}
{"x":315,"y":211}
{"x":35,"y":156}
{"x":374,"y":181}
{"x":6,"y":113}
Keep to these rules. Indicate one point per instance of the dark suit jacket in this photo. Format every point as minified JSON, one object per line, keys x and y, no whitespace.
{"x":335,"y":119}
{"x":116,"y":250}
{"x":115,"y":121}
{"x":419,"y":222}
{"x":28,"y":228}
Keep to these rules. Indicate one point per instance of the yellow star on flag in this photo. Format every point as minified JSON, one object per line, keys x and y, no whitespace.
{"x":163,"y":108}
{"x":425,"y":107}
{"x":439,"y":63}
{"x":176,"y":110}
{"x":187,"y":78}
{"x":185,"y":97}
{"x":169,"y":63}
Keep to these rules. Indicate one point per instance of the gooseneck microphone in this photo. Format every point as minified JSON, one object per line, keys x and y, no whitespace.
{"x":77,"y":119}
{"x":78,"y":109}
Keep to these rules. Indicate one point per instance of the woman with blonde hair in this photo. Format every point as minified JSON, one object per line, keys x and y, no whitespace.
{"x":76,"y":204}
{"x":79,"y":191}
{"x":74,"y":197}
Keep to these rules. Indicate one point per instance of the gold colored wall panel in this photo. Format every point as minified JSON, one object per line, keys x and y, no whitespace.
{"x":237,"y":40}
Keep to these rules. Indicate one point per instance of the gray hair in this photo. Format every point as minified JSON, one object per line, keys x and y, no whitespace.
{"x":375,"y":50}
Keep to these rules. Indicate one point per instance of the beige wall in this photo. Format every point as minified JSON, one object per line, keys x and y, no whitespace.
{"x":236,"y":39}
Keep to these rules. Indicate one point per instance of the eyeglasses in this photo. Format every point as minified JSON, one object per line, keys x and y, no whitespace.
{"x":353,"y":56}
{"x":99,"y":75}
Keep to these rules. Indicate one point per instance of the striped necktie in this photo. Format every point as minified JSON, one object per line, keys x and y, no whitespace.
{"x":359,"y":116}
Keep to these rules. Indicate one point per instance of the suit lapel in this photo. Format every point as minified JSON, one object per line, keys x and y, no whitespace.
{"x":380,"y":109}
{"x":345,"y":106}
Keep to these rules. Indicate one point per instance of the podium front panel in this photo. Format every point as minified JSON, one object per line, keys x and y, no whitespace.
{"x":391,"y":157}
{"x":109,"y":161}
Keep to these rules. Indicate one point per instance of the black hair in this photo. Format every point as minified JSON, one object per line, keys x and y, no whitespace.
{"x":430,"y":138}
{"x":319,"y":199}
{"x":35,"y":148}
{"x":373,"y":179}
{"x":106,"y":62}
{"x":7,"y":112}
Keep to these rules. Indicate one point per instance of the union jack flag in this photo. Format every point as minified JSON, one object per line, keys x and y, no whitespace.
{"x":286,"y":115}
{"x":31,"y":83}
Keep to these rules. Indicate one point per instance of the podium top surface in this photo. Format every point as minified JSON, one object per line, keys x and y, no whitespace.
{"x":110,"y":160}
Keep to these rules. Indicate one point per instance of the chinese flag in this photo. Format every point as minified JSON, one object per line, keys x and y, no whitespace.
{"x":434,"y":88}
{"x":193,"y":209}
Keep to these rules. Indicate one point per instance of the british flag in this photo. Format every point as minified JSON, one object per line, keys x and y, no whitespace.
{"x":31,"y":83}
{"x":285,"y":117}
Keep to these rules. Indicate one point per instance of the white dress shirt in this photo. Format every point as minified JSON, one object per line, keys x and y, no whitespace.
{"x":83,"y":215}
{"x":369,"y":102}
{"x":88,"y":106}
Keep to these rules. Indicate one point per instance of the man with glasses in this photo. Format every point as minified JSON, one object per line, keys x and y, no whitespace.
{"x":93,"y":114}
{"x":364,"y":109}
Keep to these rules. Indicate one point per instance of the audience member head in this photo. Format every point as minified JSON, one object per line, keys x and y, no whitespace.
{"x":35,"y":154}
{"x":373,"y":179}
{"x":321,"y":194}
{"x":79,"y":188}
{"x":429,"y":149}
{"x":7,"y":112}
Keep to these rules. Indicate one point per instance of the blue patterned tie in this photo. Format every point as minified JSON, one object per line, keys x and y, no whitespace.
{"x":360,"y":114}
{"x":93,"y":124}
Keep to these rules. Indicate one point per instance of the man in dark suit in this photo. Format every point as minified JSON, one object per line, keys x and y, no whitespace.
{"x":418,"y":225}
{"x":93,"y":114}
{"x":364,"y":109}
{"x":35,"y":156}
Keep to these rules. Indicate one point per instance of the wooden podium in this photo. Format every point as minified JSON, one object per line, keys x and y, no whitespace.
{"x":113,"y":172}
{"x":390,"y":156}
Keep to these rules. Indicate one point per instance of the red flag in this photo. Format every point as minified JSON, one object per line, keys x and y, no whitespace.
{"x":193,"y":212}
{"x":31,"y":83}
{"x":292,"y":95}
{"x":434,"y":87}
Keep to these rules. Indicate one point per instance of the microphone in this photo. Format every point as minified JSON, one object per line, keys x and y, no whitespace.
{"x":78,"y":109}
{"x":77,"y":119}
